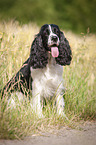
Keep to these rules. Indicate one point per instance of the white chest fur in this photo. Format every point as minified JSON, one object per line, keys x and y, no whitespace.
{"x":48,"y":80}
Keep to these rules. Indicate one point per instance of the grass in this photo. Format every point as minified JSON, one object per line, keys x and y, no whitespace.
{"x":79,"y":77}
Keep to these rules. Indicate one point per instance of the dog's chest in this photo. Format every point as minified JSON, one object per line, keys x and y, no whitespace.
{"x":46,"y":80}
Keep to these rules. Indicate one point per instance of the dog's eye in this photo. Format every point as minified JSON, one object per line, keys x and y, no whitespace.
{"x":55,"y":30}
{"x":46,"y":32}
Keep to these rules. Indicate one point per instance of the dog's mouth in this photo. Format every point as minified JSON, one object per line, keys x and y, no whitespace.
{"x":54,"y":50}
{"x":54,"y":45}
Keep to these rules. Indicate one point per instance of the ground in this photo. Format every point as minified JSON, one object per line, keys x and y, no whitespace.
{"x":85,"y":135}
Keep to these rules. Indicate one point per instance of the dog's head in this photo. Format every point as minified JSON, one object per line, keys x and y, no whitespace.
{"x":50,"y":40}
{"x":50,"y":36}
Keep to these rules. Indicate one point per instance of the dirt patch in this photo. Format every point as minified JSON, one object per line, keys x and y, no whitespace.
{"x":65,"y":136}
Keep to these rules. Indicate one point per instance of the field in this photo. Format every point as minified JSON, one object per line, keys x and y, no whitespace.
{"x":79,"y":79}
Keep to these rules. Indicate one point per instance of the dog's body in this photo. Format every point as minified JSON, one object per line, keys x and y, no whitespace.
{"x":42,"y":72}
{"x":47,"y":82}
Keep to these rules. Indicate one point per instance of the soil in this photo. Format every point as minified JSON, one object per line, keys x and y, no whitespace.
{"x":86,"y":135}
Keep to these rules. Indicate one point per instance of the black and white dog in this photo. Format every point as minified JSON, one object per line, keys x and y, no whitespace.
{"x":42,"y":72}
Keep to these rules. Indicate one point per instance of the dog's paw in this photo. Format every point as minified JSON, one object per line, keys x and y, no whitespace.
{"x":61,"y":113}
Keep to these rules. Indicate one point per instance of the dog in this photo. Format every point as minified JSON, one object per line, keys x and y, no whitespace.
{"x":42,"y":71}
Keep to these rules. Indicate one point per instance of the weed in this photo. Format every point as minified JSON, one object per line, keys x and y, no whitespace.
{"x":79,"y":77}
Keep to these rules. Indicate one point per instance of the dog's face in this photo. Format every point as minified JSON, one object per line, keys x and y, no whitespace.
{"x":50,"y":40}
{"x":50,"y":36}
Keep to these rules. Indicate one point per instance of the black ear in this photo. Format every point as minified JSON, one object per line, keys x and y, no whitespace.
{"x":65,"y":54}
{"x":38,"y":55}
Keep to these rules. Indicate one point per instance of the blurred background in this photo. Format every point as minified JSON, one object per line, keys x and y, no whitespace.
{"x":76,"y":15}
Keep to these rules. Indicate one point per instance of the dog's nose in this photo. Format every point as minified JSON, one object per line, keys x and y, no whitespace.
{"x":54,"y":38}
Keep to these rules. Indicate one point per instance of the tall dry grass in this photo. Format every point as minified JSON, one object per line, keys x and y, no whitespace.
{"x":79,"y":77}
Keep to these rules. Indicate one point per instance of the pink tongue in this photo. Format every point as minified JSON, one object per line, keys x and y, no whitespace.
{"x":54,"y":51}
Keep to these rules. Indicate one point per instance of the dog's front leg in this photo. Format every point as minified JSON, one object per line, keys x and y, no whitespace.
{"x":60,"y":105}
{"x":36,"y":98}
{"x":37,"y":105}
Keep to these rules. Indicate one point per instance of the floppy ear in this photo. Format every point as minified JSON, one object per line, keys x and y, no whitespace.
{"x":65,"y":54}
{"x":38,"y":55}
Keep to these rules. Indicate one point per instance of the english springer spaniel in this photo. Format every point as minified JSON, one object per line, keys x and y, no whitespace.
{"x":42,"y":72}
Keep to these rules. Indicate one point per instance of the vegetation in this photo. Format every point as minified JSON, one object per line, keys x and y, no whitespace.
{"x":79,"y":77}
{"x":76,"y":15}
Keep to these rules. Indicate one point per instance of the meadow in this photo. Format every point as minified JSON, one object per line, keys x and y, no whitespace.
{"x":79,"y":80}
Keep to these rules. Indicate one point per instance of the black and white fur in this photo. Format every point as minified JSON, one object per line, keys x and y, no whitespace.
{"x":42,"y":73}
